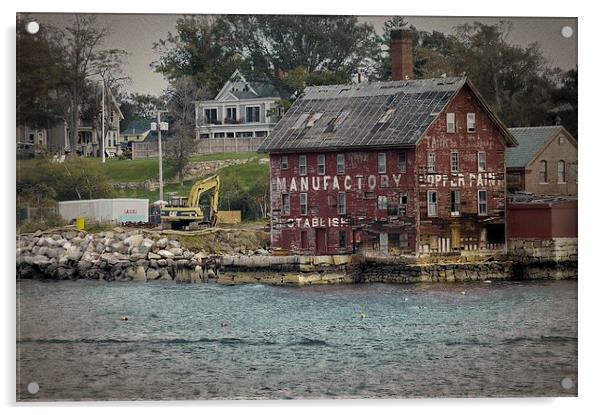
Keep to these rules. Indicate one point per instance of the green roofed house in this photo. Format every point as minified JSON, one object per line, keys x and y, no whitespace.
{"x":544,"y":162}
{"x":136,"y":131}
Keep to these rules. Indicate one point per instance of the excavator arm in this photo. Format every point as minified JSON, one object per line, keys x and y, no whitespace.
{"x":210,"y":183}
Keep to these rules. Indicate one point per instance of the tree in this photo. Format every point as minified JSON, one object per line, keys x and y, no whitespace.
{"x":80,"y":46}
{"x":135,"y":106}
{"x":180,"y":98}
{"x":564,"y":99}
{"x":38,"y":76}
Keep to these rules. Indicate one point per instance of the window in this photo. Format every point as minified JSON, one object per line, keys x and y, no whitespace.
{"x":451,"y":122}
{"x":386,"y":116}
{"x":218,"y":135}
{"x":482,"y":202}
{"x":342,"y":239}
{"x":471,"y":122}
{"x":231,"y":113}
{"x":403,"y":240}
{"x":454,"y":162}
{"x":455,"y":203}
{"x":312,"y":120}
{"x":561,"y":171}
{"x":561,"y":140}
{"x":432,"y":202}
{"x":543,"y":171}
{"x":211,"y":115}
{"x":321,"y":164}
{"x":382,"y":202}
{"x":302,"y":165}
{"x":303,"y":203}
{"x":284,"y":162}
{"x":402,"y":162}
{"x":382,"y":163}
{"x":230,"y":135}
{"x":340,"y":164}
{"x":369,"y":195}
{"x":430,"y":166}
{"x":252,"y":114}
{"x":403,"y":204}
{"x":482,"y":163}
{"x":261,"y":133}
{"x":341,"y":205}
{"x":300,"y":121}
{"x":286,"y":204}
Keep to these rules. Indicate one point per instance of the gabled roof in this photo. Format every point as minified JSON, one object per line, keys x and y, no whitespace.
{"x":531,"y":141}
{"x":238,"y":87}
{"x":137,"y":126}
{"x":378,"y":114}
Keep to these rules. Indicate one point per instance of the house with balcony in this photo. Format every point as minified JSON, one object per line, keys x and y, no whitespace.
{"x":241,"y":110}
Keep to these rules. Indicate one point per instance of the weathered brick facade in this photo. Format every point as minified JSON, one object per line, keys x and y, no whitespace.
{"x":374,"y":217}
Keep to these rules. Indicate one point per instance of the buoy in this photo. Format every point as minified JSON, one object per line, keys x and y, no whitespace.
{"x":124,"y":318}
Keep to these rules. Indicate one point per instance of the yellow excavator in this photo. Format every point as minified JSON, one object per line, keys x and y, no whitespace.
{"x":183,"y":211}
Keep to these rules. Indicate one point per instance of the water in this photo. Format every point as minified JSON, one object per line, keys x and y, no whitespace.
{"x":207,"y":341}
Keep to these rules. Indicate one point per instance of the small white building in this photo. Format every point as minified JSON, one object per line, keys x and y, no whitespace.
{"x":240,"y":110}
{"x":106,"y":210}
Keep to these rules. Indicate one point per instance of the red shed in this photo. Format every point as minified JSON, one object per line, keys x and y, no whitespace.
{"x":407,"y":166}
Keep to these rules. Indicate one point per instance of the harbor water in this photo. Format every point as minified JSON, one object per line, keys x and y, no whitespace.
{"x":91,"y":340}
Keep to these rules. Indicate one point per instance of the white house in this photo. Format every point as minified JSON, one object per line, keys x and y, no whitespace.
{"x":240,"y":110}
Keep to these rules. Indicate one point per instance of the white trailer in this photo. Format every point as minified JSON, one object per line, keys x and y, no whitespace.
{"x":106,"y":210}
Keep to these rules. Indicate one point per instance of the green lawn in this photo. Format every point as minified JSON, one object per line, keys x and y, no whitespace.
{"x":143,"y":169}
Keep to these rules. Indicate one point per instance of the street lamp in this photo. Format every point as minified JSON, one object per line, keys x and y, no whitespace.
{"x":160,"y":126}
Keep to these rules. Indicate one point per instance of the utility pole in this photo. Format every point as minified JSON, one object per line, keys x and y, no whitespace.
{"x":159,"y":127}
{"x":103,"y":120}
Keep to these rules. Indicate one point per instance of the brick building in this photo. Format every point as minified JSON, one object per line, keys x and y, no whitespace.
{"x":401,"y":167}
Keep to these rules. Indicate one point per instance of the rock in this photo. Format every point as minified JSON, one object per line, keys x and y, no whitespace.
{"x":37,"y":233}
{"x":133,"y":241}
{"x":210,"y":273}
{"x":152,"y":274}
{"x":165,"y":254}
{"x":139,"y":274}
{"x":162,"y":262}
{"x":84,"y":265}
{"x":162,"y":243}
{"x":136,"y":257}
{"x":176,"y":251}
{"x":74,"y":254}
{"x":262,"y":251}
{"x":174,"y":244}
{"x":64,"y":273}
{"x":40,"y":260}
{"x":153,"y":256}
{"x":52,"y":253}
{"x":164,"y":275}
{"x":187,"y":254}
{"x":145,"y":246}
{"x":199,"y":256}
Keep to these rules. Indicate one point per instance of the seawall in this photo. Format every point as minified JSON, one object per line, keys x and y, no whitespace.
{"x":147,"y":256}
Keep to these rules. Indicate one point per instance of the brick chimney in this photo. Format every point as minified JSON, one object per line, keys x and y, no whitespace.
{"x":402,"y":59}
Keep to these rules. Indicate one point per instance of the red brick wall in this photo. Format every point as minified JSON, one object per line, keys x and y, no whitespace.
{"x":542,"y":220}
{"x":361,"y":176}
{"x":487,"y":138}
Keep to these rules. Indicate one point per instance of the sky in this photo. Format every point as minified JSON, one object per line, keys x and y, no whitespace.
{"x":136,"y":34}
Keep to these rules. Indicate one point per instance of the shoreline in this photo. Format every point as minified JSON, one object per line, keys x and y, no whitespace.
{"x":126,"y":254}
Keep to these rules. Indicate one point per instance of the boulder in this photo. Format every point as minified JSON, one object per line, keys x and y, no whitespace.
{"x":162,"y":262}
{"x":174,"y":244}
{"x":139,"y":274}
{"x":145,"y":246}
{"x":153,"y":256}
{"x":152,"y":274}
{"x":133,"y":241}
{"x":165,"y":276}
{"x":165,"y":253}
{"x":162,"y":243}
{"x":187,"y":254}
{"x":176,"y":251}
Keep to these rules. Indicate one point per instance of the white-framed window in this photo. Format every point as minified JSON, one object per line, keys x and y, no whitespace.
{"x":403,"y":204}
{"x":341,"y":204}
{"x":454,"y":160}
{"x":303,"y":204}
{"x":302,"y":165}
{"x":382,"y":163}
{"x":286,"y":204}
{"x":431,"y":197}
{"x":431,"y":161}
{"x":231,"y":113}
{"x":471,"y":122}
{"x":455,"y":203}
{"x":402,"y":162}
{"x":482,"y":202}
{"x":561,"y":171}
{"x":340,"y":164}
{"x":210,"y":115}
{"x":253,"y":113}
{"x":482,"y":161}
{"x":543,"y":171}
{"x":284,"y":163}
{"x":321,"y":164}
{"x":451,"y":122}
{"x":382,"y":202}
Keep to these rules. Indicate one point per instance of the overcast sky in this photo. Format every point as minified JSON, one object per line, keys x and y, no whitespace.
{"x":137,"y":33}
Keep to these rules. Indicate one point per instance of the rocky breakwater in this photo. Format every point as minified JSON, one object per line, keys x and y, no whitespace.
{"x":111,"y":255}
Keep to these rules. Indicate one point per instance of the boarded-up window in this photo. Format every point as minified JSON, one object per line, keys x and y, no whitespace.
{"x":402,"y":161}
{"x":342,"y":239}
{"x":304,"y":240}
{"x":451,"y":122}
{"x":543,"y":171}
{"x":403,"y":204}
{"x":286,"y":204}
